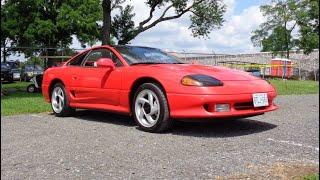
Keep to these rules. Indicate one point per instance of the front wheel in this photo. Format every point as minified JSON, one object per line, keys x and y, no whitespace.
{"x":59,"y":101}
{"x":150,"y":108}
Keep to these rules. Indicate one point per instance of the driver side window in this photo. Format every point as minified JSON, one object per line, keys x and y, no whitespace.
{"x":93,"y":56}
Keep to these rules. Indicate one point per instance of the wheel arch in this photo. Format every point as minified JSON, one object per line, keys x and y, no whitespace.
{"x":52,"y":83}
{"x":138,"y":82}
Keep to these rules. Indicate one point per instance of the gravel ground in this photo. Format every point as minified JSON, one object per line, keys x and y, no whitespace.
{"x":96,"y":145}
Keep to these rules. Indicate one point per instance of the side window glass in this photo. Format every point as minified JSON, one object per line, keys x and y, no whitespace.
{"x":109,"y":54}
{"x":78,"y":60}
{"x":92,"y":58}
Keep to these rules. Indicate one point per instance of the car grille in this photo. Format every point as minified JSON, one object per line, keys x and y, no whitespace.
{"x":247,"y":106}
{"x":243,"y":106}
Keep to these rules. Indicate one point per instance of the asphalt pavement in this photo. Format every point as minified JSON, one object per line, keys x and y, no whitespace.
{"x":99,"y":145}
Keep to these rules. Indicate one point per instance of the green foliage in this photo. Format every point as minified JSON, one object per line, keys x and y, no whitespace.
{"x":123,"y":25}
{"x":308,"y":21}
{"x":50,"y":23}
{"x":311,"y":177}
{"x":277,"y":41}
{"x":283,"y":17}
{"x":35,"y":60}
{"x":207,"y":15}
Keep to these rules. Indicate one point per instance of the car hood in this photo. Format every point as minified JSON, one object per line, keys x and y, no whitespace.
{"x":218,"y":72}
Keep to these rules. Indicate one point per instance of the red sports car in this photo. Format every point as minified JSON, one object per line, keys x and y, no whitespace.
{"x":154,"y":87}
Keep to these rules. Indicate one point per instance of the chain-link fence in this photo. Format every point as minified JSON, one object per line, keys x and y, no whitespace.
{"x":299,"y":66}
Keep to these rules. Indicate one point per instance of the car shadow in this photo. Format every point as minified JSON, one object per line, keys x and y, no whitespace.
{"x":221,"y":128}
{"x":105,"y":117}
{"x":214,"y":128}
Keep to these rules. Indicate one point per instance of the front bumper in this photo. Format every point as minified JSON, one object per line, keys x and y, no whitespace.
{"x":202,"y":106}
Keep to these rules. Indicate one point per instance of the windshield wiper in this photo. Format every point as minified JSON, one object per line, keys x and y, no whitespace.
{"x":178,"y":63}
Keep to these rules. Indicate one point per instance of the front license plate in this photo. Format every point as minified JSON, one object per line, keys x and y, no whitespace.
{"x":260,"y":99}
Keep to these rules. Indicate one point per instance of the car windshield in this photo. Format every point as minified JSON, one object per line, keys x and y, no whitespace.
{"x":144,"y":55}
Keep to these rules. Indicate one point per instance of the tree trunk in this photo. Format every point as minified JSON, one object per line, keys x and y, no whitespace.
{"x":4,"y":52}
{"x":106,"y":7}
{"x":50,"y":53}
{"x":287,"y":40}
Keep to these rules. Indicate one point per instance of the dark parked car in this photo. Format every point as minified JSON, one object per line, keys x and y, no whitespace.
{"x":30,"y":71}
{"x":6,"y":73}
{"x":254,"y":72}
{"x":16,"y":71}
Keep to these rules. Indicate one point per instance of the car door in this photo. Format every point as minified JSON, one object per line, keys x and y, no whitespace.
{"x":95,"y":85}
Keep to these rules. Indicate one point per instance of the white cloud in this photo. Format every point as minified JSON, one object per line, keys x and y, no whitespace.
{"x":233,"y":37}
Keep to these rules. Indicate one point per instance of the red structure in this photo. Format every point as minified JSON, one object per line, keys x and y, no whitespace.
{"x":281,"y":68}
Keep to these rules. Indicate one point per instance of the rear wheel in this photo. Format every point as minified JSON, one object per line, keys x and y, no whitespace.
{"x":150,"y":108}
{"x":60,"y":102}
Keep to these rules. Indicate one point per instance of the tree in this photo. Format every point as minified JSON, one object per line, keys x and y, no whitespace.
{"x":284,"y":17}
{"x":281,"y":21}
{"x":205,"y":15}
{"x":50,"y":23}
{"x":308,"y":21}
{"x":7,"y":32}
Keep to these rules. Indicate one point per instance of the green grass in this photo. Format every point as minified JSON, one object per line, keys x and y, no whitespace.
{"x":22,"y":86}
{"x":22,"y":103}
{"x":311,"y":177}
{"x":288,"y":87}
{"x":18,"y":101}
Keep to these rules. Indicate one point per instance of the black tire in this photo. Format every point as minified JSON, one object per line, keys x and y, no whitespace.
{"x":66,"y":110}
{"x":164,"y":122}
{"x":31,"y":88}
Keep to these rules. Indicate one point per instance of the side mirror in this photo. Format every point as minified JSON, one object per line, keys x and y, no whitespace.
{"x":105,"y":63}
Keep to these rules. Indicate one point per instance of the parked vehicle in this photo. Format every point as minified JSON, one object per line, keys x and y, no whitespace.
{"x":30,"y":71}
{"x":6,"y":73}
{"x":154,"y":87}
{"x":16,"y":72}
{"x":254,"y":72}
{"x":35,"y":85}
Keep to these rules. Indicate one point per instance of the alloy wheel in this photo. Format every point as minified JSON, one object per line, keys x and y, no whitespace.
{"x":147,"y":108}
{"x":57,"y":99}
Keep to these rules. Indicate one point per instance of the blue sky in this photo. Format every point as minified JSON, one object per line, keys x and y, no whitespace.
{"x":240,"y":5}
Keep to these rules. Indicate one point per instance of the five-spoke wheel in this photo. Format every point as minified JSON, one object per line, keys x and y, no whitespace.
{"x":150,"y":108}
{"x":59,"y":101}
{"x":147,"y":108}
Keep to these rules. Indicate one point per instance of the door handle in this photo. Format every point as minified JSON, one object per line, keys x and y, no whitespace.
{"x":74,"y":77}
